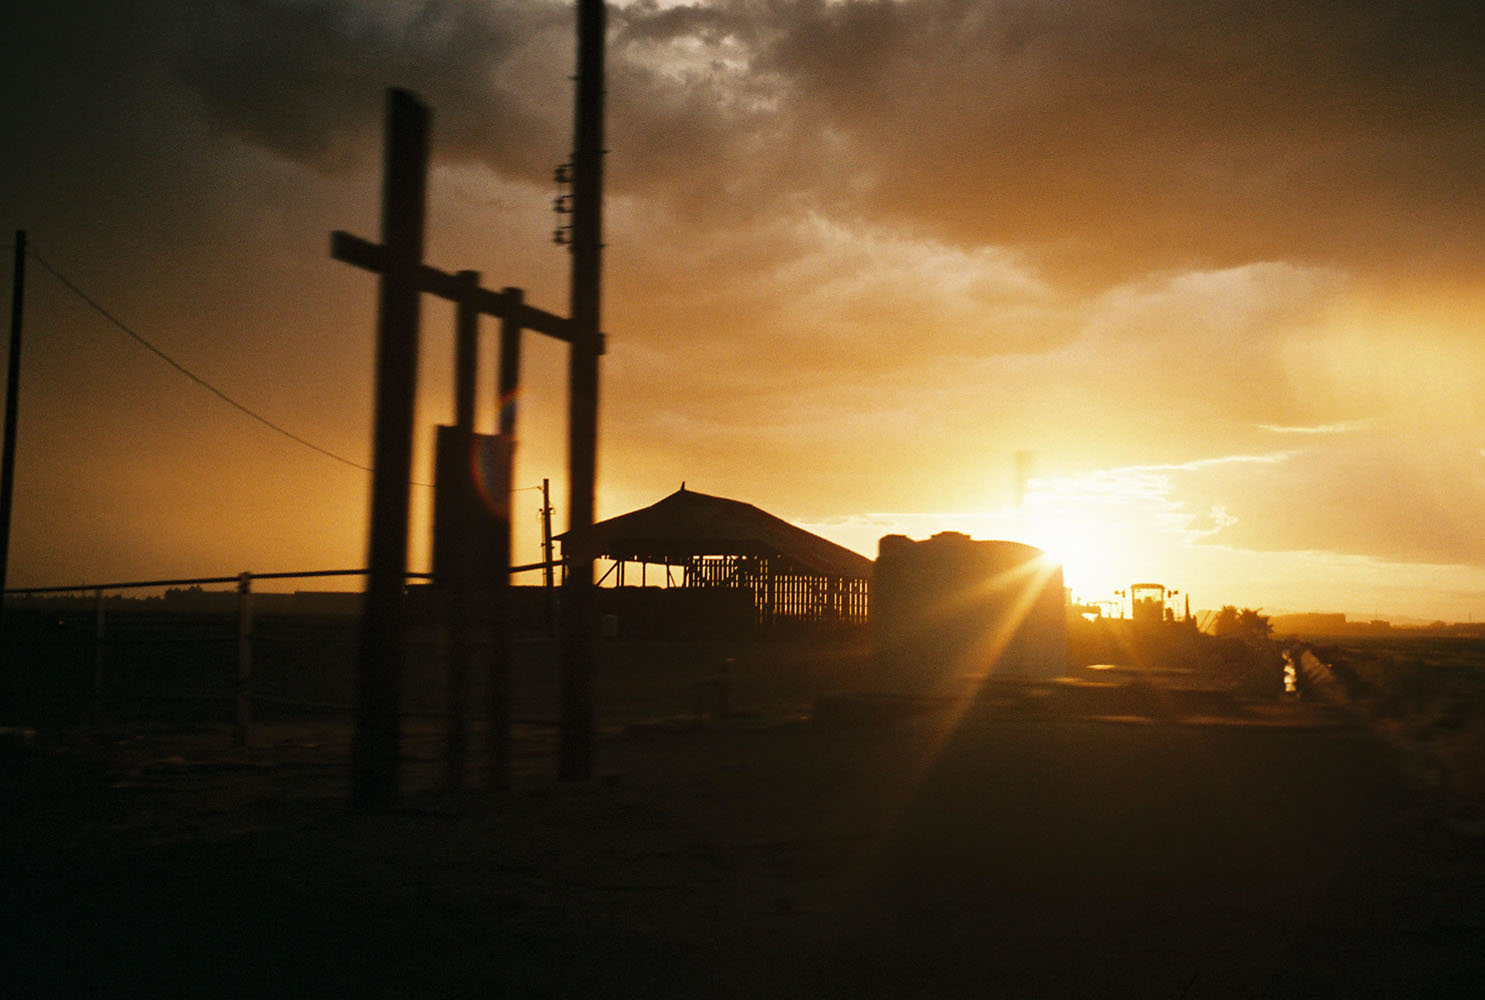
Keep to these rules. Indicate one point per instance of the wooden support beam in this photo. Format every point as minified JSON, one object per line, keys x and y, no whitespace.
{"x":375,"y":748}
{"x":12,"y":403}
{"x":507,"y":383}
{"x":365,"y":254}
{"x":459,"y":589}
{"x":466,"y":349}
{"x":404,"y":278}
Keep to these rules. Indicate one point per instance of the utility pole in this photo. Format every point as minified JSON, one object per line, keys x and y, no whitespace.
{"x":12,"y":386}
{"x":579,"y":598}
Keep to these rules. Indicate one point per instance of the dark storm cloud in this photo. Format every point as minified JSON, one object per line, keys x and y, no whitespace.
{"x":1115,"y":134}
{"x":1162,"y":133}
{"x":1108,"y":137}
{"x":305,"y":79}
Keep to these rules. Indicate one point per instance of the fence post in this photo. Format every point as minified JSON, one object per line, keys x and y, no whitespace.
{"x":243,"y":730}
{"x":98,"y":625}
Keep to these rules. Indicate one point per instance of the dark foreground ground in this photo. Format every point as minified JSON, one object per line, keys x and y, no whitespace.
{"x":1275,"y":852}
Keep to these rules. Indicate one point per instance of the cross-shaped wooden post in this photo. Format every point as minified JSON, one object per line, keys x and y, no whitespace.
{"x":398,"y":260}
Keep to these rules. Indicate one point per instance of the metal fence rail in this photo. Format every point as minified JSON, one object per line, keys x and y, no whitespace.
{"x":197,"y":581}
{"x":242,"y":637}
{"x":233,"y":653}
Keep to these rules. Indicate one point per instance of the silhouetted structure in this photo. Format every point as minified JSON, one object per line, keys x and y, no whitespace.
{"x":12,"y":402}
{"x":404,"y":279}
{"x":791,"y":574}
{"x":579,"y":608}
{"x":1147,"y":603}
{"x":379,"y":671}
{"x":950,"y":613}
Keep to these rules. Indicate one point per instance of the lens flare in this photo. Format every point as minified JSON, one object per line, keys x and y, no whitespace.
{"x":491,"y":457}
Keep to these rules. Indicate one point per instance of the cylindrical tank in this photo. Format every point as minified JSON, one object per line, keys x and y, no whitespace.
{"x":950,"y":613}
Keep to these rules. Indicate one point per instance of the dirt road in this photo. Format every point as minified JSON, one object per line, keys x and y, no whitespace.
{"x":1275,"y":854}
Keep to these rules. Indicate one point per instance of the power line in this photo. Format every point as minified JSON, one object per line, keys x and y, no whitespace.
{"x":100,"y":310}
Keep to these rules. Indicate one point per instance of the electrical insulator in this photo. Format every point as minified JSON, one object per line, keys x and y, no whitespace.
{"x":562,"y":205}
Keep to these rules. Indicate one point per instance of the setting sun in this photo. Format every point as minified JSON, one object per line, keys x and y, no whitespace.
{"x":1088,"y":551}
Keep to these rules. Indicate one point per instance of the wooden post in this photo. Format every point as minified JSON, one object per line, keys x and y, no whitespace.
{"x":12,"y":403}
{"x":466,"y":347}
{"x":98,"y":654}
{"x":579,"y":600}
{"x":508,"y":377}
{"x":375,"y":746}
{"x":508,"y":380}
{"x":242,"y":732}
{"x":466,"y":364}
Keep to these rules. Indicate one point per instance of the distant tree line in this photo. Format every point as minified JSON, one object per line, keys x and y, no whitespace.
{"x":1244,"y":624}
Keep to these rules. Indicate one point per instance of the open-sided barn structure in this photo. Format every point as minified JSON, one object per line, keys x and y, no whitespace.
{"x":693,"y":540}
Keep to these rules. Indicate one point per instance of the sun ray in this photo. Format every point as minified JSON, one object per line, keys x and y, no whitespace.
{"x":978,"y":668}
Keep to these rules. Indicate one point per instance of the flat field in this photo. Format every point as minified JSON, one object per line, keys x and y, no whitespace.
{"x":986,"y":849}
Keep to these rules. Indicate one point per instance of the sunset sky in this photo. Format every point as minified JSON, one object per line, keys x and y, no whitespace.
{"x":1213,"y":270}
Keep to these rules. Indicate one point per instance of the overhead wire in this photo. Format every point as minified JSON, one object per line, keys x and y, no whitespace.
{"x":138,"y":338}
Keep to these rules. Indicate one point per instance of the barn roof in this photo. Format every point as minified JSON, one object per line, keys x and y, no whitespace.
{"x":688,"y":523}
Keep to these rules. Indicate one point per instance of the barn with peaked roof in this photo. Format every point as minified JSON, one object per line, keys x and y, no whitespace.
{"x":694,"y":540}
